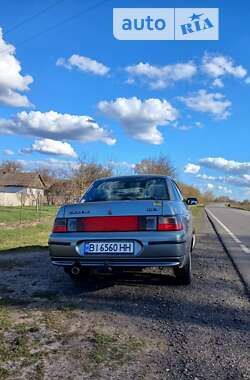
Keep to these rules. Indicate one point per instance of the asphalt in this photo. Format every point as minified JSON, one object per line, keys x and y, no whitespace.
{"x":233,"y":228}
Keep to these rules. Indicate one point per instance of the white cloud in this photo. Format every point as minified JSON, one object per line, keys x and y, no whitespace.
{"x":229,"y":166}
{"x":59,"y":166}
{"x":247,"y":192}
{"x":219,"y":65}
{"x":140,"y":118}
{"x":238,"y":181}
{"x":82,"y":63}
{"x":11,"y":81}
{"x":122,"y":164}
{"x":54,"y":125}
{"x":192,"y":168}
{"x":183,"y":127}
{"x":66,"y":166}
{"x":237,"y":173}
{"x":206,"y":177}
{"x":218,"y":83}
{"x":8,"y":152}
{"x":247,"y":80}
{"x":48,"y":146}
{"x":214,"y":103}
{"x":224,"y":189}
{"x":210,"y":186}
{"x":162,"y":76}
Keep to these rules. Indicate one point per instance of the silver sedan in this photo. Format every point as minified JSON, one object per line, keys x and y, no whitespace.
{"x":126,"y":222}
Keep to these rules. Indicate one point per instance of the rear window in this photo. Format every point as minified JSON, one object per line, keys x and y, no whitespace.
{"x":126,"y":189}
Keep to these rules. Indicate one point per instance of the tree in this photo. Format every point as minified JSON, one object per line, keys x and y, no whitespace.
{"x":189,"y":191}
{"x":208,"y":196}
{"x":88,"y":172}
{"x":10,"y":166}
{"x":161,"y":165}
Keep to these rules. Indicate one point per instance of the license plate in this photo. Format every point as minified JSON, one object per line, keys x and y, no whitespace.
{"x":102,"y":247}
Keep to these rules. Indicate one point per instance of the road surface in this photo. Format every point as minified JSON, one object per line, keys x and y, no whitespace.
{"x":124,"y":326}
{"x":233,"y":227}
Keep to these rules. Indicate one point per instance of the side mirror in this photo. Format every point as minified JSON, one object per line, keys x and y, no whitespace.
{"x":191,"y":201}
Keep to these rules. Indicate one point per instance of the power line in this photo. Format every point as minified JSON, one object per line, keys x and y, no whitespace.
{"x":28,"y":19}
{"x":62,"y":22}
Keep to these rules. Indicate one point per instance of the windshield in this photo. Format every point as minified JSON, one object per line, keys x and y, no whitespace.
{"x":127,"y":188}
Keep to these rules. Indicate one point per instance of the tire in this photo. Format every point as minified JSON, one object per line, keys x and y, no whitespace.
{"x":184,"y":274}
{"x":193,"y":241}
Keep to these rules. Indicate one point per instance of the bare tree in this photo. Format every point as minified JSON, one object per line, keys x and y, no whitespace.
{"x":10,"y":166}
{"x":22,"y":197}
{"x":160,"y":165}
{"x":87,"y":172}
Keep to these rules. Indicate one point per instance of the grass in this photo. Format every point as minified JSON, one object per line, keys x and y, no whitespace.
{"x":112,"y":349}
{"x":10,"y":215}
{"x":197,"y":213}
{"x":241,"y":206}
{"x":29,"y":236}
{"x":21,"y":236}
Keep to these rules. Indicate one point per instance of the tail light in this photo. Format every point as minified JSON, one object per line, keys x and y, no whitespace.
{"x":60,"y":225}
{"x":112,"y":224}
{"x":169,"y":223}
{"x":118,"y":224}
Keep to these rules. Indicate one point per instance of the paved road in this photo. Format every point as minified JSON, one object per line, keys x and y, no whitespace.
{"x":233,"y":226}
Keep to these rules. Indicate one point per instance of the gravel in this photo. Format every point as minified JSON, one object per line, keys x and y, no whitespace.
{"x":124,"y":326}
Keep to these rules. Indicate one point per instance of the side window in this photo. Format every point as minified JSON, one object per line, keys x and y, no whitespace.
{"x":177,"y":192}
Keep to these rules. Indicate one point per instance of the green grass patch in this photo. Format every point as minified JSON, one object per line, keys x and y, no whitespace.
{"x":31,"y":236}
{"x":197,"y":212}
{"x":112,"y":350}
{"x":28,"y":236}
{"x":4,"y":318}
{"x":10,"y":215}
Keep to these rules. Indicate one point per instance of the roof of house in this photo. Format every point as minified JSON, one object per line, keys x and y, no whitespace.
{"x":31,"y":180}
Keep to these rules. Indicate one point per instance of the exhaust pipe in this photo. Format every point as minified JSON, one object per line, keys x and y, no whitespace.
{"x":75,"y":270}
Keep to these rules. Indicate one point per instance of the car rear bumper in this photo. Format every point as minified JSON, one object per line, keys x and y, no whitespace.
{"x":155,"y":250}
{"x":119,"y":262}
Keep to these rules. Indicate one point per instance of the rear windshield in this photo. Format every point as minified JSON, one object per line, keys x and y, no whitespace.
{"x":127,"y":188}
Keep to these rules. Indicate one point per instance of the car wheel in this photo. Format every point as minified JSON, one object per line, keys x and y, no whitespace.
{"x":193,"y":241}
{"x":184,"y":274}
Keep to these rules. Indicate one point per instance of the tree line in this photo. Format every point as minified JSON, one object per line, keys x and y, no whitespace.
{"x":68,"y":185}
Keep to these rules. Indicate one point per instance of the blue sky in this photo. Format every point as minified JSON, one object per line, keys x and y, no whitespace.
{"x":198,"y":116}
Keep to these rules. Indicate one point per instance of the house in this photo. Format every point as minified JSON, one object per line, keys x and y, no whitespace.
{"x":62,"y":191}
{"x":19,"y":189}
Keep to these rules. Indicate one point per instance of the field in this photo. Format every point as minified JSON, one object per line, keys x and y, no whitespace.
{"x":33,"y":230}
{"x":25,"y":228}
{"x":241,"y":206}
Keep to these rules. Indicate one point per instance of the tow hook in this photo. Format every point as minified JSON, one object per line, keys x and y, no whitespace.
{"x":75,"y":270}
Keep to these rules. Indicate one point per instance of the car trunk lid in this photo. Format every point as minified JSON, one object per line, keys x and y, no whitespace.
{"x":114,"y":208}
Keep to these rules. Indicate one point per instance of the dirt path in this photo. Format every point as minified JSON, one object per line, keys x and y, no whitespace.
{"x":133,"y":326}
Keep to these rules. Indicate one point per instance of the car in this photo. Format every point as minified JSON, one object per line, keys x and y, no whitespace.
{"x":125,"y":222}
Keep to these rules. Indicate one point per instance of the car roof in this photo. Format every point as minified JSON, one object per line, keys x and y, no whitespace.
{"x":136,"y":176}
